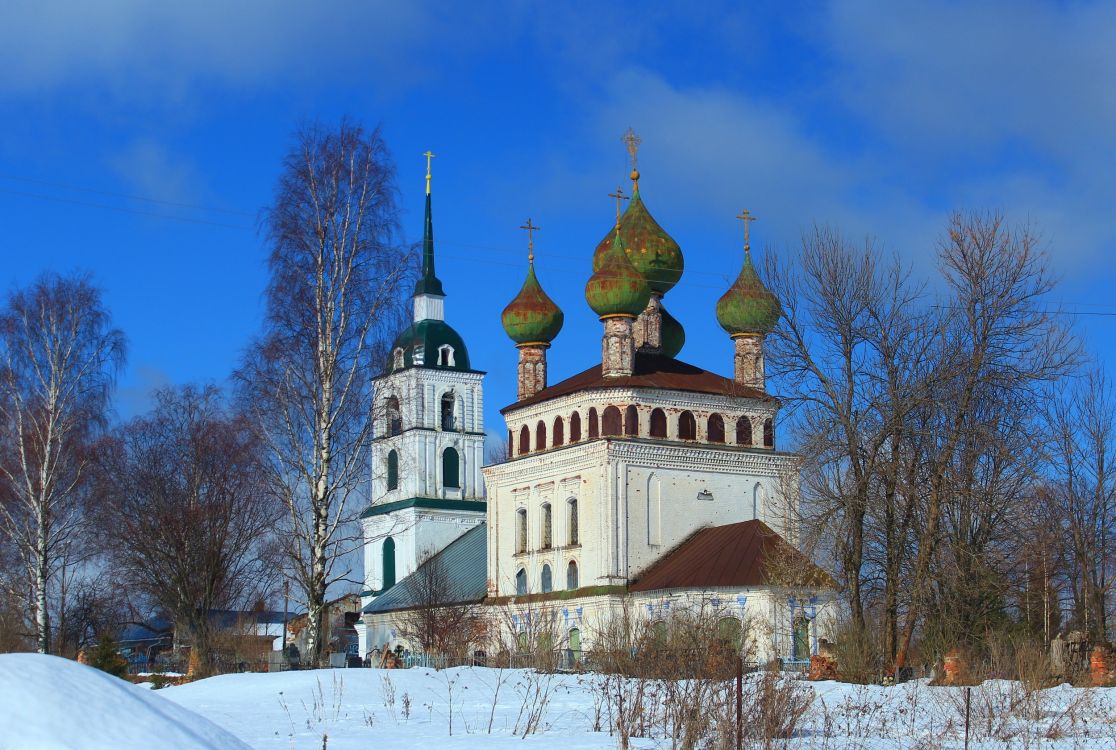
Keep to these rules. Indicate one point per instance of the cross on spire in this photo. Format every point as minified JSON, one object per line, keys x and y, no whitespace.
{"x":619,"y":196}
{"x":429,"y":155}
{"x":746,"y":217}
{"x":531,"y":229}
{"x":632,"y":141}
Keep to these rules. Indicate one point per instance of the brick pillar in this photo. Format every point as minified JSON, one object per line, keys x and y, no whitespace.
{"x":532,"y":369}
{"x":649,"y":327}
{"x":749,"y":360}
{"x":617,"y":347}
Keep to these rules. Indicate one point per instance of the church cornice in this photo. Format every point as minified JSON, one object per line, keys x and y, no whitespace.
{"x":431,"y":503}
{"x":647,"y":398}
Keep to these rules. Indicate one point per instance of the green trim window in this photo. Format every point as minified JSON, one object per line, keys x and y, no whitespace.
{"x":388,"y":564}
{"x":729,"y":631}
{"x":575,"y":644}
{"x":800,"y":645}
{"x":451,"y":468}
{"x":392,"y":470}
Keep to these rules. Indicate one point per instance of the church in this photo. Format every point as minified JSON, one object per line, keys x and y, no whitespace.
{"x":640,"y":485}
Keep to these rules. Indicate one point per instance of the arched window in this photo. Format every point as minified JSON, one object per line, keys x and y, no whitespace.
{"x":743,"y":431}
{"x":521,"y":583}
{"x":571,"y":519}
{"x":658,"y":423}
{"x":392,"y":470}
{"x":547,"y":584}
{"x":394,"y":417}
{"x":521,"y":530}
{"x":445,"y":355}
{"x":524,"y":441}
{"x":715,"y":429}
{"x":631,"y":421}
{"x":571,"y":576}
{"x":687,"y":426}
{"x":511,"y":444}
{"x":575,"y":427}
{"x":540,"y":436}
{"x":451,"y":468}
{"x":610,"y":421}
{"x":768,"y":434}
{"x":397,"y":359}
{"x":594,"y":431}
{"x":447,"y":411}
{"x":547,"y":527}
{"x":757,"y":500}
{"x":559,"y":432}
{"x":388,"y":564}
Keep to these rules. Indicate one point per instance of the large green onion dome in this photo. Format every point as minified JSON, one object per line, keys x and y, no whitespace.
{"x":532,"y":317}
{"x":748,"y":307}
{"x":652,"y":251}
{"x":673,"y":334}
{"x":616,"y":287}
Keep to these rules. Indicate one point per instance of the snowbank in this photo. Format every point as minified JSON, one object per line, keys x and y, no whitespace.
{"x":48,"y":703}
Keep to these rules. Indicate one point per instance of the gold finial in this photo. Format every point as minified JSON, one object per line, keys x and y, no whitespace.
{"x":429,"y":155}
{"x":632,"y":141}
{"x":531,"y":229}
{"x":619,"y":196}
{"x":746,"y":217}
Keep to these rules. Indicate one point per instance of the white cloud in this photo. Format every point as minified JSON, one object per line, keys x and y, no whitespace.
{"x":141,"y":44}
{"x":152,"y":171}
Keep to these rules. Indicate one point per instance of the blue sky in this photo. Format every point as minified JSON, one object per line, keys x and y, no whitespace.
{"x":141,"y":139}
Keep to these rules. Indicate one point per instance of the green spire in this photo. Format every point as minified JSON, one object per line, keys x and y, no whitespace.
{"x":428,"y":283}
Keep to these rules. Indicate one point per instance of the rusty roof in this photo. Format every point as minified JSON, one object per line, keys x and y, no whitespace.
{"x":736,"y":555}
{"x":649,"y":371}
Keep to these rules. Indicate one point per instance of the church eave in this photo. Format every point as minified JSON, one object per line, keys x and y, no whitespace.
{"x":430,"y":503}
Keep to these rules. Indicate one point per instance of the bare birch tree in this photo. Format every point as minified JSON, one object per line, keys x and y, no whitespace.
{"x":59,"y":356}
{"x":334,"y":300}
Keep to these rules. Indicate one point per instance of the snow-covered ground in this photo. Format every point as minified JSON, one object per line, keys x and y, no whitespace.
{"x":362,"y":708}
{"x":51,"y":703}
{"x":48,"y":703}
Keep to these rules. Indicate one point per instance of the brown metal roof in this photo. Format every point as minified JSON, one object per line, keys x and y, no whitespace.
{"x":649,"y":371}
{"x":739,"y":554}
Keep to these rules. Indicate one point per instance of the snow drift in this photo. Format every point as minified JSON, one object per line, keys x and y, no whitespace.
{"x":48,"y":703}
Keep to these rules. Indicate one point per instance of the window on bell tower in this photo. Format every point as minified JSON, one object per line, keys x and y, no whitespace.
{"x":447,"y":411}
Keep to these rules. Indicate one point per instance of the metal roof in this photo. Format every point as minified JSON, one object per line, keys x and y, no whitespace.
{"x":649,"y":371}
{"x":465,"y":566}
{"x":736,"y":555}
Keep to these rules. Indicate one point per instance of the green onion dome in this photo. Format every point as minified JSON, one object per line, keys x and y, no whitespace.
{"x":532,"y":317}
{"x":652,"y":251}
{"x":748,"y":307}
{"x":616,"y":287}
{"x":673,"y":334}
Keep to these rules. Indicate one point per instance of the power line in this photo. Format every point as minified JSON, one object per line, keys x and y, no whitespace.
{"x":96,"y":191}
{"x":122,"y":209}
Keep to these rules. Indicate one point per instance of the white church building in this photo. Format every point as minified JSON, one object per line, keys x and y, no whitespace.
{"x":640,"y":485}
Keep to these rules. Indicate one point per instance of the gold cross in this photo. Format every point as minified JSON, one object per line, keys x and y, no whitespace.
{"x":632,"y":140}
{"x":531,"y":229}
{"x":746,"y":217}
{"x":429,"y":155}
{"x":619,"y":196}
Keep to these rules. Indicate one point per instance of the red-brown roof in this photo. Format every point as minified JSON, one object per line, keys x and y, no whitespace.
{"x":649,"y":371}
{"x":736,"y":555}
